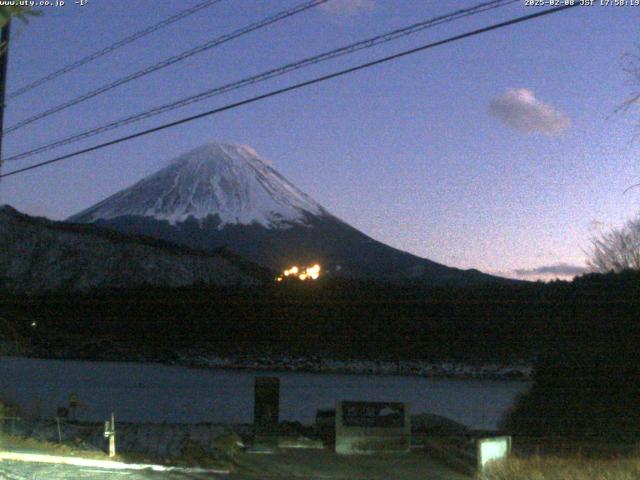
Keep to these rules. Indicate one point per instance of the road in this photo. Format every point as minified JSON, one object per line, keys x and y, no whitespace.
{"x":10,"y":470}
{"x":300,"y":465}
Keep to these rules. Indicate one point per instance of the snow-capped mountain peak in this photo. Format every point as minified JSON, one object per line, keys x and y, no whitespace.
{"x":227,"y":180}
{"x":243,"y":205}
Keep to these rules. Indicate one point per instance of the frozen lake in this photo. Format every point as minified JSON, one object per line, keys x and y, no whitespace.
{"x":156,"y":393}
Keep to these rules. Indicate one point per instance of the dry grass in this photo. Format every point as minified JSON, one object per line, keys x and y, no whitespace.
{"x":554,"y":468}
{"x":11,"y":442}
{"x":194,"y":454}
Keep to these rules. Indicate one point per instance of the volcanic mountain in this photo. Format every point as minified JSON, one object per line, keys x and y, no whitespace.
{"x":223,"y":195}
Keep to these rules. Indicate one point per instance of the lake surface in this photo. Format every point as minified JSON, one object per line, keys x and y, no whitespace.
{"x":160,"y":393}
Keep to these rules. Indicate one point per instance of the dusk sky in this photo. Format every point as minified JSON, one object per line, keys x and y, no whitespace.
{"x":498,"y":152}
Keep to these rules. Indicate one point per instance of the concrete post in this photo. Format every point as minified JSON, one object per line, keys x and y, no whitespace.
{"x":110,"y":433}
{"x":266,"y":414}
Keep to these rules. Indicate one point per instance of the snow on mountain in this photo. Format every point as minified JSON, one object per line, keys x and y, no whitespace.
{"x":230,"y":181}
{"x":226,"y":196}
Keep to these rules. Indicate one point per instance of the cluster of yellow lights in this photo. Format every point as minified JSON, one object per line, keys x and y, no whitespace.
{"x":309,"y":273}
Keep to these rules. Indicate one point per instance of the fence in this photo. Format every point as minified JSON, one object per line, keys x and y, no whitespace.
{"x":155,"y":440}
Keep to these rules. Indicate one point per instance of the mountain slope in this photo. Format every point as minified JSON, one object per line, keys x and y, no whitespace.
{"x":227,"y":196}
{"x":38,"y":255}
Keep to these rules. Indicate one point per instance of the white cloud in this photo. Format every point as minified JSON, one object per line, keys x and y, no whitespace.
{"x":520,"y":109}
{"x":347,"y":7}
{"x":554,"y":270}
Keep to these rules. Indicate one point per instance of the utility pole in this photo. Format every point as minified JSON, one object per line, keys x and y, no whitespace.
{"x":4,"y":60}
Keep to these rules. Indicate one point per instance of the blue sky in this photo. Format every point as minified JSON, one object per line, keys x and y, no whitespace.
{"x":497,"y":152}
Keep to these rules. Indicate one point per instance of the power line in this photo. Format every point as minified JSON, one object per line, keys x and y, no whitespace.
{"x":114,"y":46}
{"x":170,"y":61}
{"x":351,"y":48}
{"x":296,"y":86}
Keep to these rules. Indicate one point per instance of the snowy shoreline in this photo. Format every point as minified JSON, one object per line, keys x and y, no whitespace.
{"x":448,"y":370}
{"x":515,"y":371}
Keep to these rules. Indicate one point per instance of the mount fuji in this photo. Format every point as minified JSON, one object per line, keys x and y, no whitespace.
{"x":224,"y":195}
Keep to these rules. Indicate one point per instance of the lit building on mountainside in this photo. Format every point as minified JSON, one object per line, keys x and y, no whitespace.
{"x":309,"y":273}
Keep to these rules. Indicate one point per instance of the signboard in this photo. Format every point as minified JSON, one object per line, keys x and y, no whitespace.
{"x":370,"y":427}
{"x":373,"y":414}
{"x":266,"y":412}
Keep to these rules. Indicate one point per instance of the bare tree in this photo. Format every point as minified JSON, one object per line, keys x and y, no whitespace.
{"x":631,"y":66}
{"x":617,"y":250}
{"x":9,"y":12}
{"x":23,"y":13}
